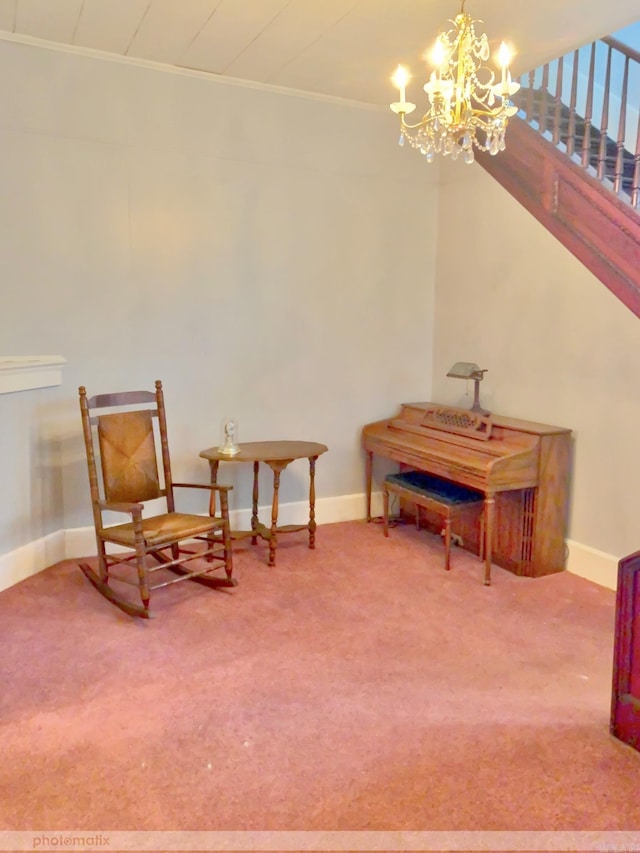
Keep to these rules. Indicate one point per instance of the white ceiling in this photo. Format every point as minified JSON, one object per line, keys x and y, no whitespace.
{"x":340,"y":48}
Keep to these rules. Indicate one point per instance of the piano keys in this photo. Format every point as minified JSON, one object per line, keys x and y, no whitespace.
{"x":522,"y":468}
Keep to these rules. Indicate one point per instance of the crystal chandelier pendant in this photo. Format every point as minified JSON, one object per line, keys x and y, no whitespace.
{"x":469,"y":103}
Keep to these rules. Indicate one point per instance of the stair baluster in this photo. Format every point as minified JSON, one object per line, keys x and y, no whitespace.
{"x":588,"y":111}
{"x":543,"y":100}
{"x":604,"y":123}
{"x":635,"y":194}
{"x":571,"y":133}
{"x":558,"y":107}
{"x":619,"y":167}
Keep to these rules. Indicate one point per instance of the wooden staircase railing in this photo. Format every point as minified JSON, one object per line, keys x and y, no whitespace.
{"x":587,"y":103}
{"x":583,"y":186}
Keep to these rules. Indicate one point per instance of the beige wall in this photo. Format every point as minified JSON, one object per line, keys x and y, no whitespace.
{"x":262,"y":253}
{"x":274,"y":258}
{"x":558,"y":346}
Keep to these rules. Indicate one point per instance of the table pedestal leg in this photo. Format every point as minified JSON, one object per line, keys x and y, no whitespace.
{"x":274,"y":518}
{"x":277,"y":468}
{"x":213,"y":467}
{"x":369,"y":474}
{"x":312,"y":502}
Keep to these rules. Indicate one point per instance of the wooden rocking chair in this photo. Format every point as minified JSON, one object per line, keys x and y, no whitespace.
{"x":122,"y":437}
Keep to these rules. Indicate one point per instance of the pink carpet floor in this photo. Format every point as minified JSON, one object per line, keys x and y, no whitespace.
{"x":357,"y":686}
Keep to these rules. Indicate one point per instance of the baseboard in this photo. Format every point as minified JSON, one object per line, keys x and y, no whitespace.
{"x":73,"y":543}
{"x":30,"y":559}
{"x":592,"y":565}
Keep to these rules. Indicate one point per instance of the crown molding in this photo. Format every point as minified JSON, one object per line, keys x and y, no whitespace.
{"x":182,"y":71}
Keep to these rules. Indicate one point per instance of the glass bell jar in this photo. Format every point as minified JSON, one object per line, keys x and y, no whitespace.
{"x":229,"y":445}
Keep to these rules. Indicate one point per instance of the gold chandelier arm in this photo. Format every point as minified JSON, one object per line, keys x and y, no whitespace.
{"x":404,"y":125}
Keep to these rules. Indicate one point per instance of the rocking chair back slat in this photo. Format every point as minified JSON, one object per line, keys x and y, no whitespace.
{"x":128,"y":457}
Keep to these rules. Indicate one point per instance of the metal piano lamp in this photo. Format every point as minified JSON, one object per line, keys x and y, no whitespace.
{"x":469,"y":370}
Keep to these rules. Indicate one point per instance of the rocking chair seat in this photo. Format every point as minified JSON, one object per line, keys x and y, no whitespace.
{"x":163,"y":529}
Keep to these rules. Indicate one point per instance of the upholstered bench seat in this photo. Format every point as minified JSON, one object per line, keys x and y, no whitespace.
{"x":445,"y":499}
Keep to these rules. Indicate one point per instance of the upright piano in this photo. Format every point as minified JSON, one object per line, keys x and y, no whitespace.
{"x":522,"y":468}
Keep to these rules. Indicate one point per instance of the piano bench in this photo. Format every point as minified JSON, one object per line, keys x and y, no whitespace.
{"x":445,"y":499}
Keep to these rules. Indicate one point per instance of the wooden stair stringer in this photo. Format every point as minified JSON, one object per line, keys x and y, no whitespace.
{"x":600,"y":229}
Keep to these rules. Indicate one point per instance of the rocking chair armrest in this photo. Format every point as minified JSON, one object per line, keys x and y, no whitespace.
{"x":121,"y":506}
{"x":211,"y":486}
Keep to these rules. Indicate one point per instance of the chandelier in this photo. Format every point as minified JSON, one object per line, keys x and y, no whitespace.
{"x":468,"y":105}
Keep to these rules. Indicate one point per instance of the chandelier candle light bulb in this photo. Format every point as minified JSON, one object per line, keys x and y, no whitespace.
{"x":438,"y":58}
{"x":462,"y":91}
{"x":504,"y":58}
{"x":400,"y":79}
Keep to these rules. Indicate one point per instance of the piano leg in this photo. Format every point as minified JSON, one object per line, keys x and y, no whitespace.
{"x":489,"y":507}
{"x":369,"y":473}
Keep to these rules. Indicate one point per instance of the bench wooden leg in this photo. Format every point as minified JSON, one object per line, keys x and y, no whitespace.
{"x":447,"y":543}
{"x":385,"y":511}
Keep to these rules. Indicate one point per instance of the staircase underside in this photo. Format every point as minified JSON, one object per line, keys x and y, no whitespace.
{"x":599,"y":228}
